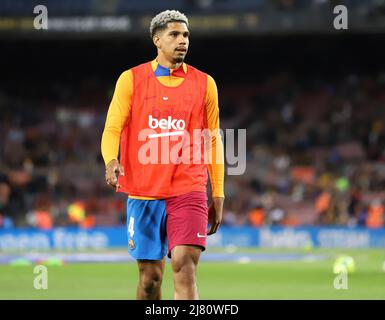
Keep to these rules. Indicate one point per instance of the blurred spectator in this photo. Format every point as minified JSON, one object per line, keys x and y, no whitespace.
{"x":5,"y":193}
{"x":375,"y":216}
{"x":257,"y":216}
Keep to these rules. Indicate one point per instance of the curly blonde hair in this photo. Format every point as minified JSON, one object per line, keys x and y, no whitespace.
{"x":160,"y":21}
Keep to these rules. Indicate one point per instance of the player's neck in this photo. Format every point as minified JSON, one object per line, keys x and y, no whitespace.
{"x":167,"y":64}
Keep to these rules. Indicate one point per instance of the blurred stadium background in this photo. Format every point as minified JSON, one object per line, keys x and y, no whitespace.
{"x":312,"y":99}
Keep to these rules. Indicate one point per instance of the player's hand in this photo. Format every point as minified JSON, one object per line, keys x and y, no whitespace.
{"x":113,"y":170}
{"x":215,"y":214}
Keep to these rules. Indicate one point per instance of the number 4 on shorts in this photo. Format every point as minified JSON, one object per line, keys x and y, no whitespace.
{"x":131,"y":227}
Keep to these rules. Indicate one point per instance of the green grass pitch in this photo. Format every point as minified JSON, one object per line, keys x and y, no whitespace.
{"x":216,"y":280}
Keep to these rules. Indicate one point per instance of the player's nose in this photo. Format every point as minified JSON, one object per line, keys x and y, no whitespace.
{"x":182,"y":40}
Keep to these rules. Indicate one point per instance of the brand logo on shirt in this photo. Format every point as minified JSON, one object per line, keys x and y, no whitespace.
{"x":131,"y":244}
{"x":166,"y":124}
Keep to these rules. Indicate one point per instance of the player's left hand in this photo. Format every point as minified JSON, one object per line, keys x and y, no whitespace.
{"x":215,"y":214}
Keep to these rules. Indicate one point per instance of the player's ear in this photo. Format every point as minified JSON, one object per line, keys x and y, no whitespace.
{"x":156,"y":40}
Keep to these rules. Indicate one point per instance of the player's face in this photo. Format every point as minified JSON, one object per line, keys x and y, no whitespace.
{"x":173,"y":42}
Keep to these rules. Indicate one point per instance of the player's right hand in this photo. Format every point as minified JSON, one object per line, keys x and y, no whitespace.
{"x":113,"y":170}
{"x":215,"y":214}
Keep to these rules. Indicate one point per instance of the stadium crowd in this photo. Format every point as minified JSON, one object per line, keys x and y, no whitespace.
{"x":315,"y":155}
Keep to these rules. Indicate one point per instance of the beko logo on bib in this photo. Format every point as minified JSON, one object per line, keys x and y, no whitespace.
{"x":165,"y":124}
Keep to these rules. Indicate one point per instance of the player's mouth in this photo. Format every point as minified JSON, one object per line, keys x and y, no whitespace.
{"x":181,"y":49}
